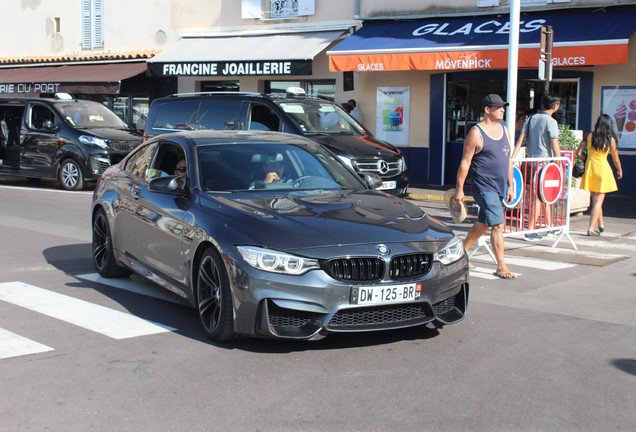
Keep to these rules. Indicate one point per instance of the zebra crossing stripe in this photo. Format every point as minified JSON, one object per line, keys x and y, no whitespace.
{"x":526,"y":262}
{"x":100,"y":319}
{"x":13,"y":345}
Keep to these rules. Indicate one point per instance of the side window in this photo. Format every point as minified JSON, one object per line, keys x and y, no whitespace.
{"x":261,"y":117}
{"x":198,"y":114}
{"x":139,"y":162}
{"x":220,"y":114}
{"x":169,"y":157}
{"x":38,"y":115}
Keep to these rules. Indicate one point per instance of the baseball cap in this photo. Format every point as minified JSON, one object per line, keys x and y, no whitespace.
{"x":493,"y":100}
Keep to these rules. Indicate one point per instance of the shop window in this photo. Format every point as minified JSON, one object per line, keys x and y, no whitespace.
{"x":218,"y":86}
{"x":324,"y":88}
{"x":463,"y":104}
{"x":276,"y":9}
{"x":133,"y":110}
{"x":92,"y":24}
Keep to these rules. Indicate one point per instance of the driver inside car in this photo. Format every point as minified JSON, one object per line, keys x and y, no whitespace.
{"x":273,"y":167}
{"x":273,"y":171}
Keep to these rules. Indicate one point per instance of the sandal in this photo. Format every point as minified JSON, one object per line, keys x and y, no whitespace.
{"x":593,"y":234}
{"x":601,"y":228}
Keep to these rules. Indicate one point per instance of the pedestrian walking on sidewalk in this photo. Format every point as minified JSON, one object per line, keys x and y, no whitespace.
{"x":355,"y":111}
{"x":486,"y":159}
{"x":541,"y":136}
{"x":598,"y":177}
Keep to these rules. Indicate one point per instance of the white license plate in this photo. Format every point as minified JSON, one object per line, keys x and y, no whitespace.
{"x":387,"y":185}
{"x":385,"y":294}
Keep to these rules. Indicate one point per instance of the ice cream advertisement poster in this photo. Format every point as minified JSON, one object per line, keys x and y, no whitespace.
{"x":392,"y":120}
{"x":619,"y":102}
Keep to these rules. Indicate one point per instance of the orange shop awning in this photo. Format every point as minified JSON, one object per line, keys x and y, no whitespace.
{"x":81,"y":79}
{"x":482,"y":43}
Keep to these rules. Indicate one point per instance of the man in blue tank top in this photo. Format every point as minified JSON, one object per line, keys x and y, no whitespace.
{"x":486,"y":158}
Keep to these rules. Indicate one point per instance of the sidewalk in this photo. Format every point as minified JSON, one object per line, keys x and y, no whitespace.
{"x":615,"y":205}
{"x":619,"y":211}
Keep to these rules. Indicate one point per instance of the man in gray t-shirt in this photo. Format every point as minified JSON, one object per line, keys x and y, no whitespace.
{"x":541,"y":131}
{"x":541,"y":135}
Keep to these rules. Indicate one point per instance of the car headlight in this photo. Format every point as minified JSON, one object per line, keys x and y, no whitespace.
{"x":276,"y":262}
{"x":347,"y":161}
{"x":91,"y":140}
{"x":451,"y":253}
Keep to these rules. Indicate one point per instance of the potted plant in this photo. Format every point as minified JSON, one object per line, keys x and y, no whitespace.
{"x":570,"y":140}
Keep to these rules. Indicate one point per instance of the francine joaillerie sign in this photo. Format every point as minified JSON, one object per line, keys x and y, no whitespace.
{"x":238,"y":68}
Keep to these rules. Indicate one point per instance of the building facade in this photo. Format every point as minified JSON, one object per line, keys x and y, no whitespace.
{"x":417,"y":68}
{"x":446,"y":58}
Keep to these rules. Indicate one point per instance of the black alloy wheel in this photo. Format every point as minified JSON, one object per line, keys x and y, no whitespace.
{"x":214,"y":299}
{"x":103,"y":255}
{"x":71,"y":175}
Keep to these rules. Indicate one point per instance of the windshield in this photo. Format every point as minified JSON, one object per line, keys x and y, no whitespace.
{"x":89,"y":114}
{"x":272,"y":166}
{"x":319,"y":117}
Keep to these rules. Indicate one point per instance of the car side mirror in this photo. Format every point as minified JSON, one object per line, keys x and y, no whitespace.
{"x":49,"y":125}
{"x":166,"y":185}
{"x":372,"y":179}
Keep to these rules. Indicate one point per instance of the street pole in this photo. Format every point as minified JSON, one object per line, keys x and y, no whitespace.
{"x":545,"y":62}
{"x":513,"y":65}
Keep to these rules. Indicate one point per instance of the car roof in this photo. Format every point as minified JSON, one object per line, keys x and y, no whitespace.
{"x":277,"y":97}
{"x":210,"y":136}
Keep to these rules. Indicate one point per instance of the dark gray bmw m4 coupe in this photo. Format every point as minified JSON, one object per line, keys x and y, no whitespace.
{"x":268,"y":234}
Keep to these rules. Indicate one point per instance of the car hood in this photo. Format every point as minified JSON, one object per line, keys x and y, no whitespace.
{"x":114,"y":134}
{"x":330,"y":218}
{"x":362,"y":146}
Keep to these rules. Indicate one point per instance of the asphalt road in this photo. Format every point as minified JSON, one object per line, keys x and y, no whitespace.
{"x":552,"y":350}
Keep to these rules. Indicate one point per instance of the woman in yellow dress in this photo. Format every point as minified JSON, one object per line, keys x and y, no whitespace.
{"x":598,"y":177}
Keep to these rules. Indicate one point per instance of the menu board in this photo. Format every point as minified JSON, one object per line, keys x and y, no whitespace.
{"x":619,"y":102}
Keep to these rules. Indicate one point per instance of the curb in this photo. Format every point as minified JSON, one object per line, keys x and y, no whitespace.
{"x":433,"y":197}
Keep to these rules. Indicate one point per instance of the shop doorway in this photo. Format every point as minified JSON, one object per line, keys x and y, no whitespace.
{"x":463,"y":109}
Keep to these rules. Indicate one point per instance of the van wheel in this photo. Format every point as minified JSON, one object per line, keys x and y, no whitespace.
{"x":71,"y":175}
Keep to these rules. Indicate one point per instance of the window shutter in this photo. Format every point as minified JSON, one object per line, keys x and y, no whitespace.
{"x":86,"y":24}
{"x":98,"y":24}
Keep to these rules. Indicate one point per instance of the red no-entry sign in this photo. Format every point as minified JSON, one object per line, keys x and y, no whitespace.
{"x":550,"y":183}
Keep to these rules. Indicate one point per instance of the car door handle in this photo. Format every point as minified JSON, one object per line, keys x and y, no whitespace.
{"x":135,"y":191}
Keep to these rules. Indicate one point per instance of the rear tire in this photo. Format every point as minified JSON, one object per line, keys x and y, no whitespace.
{"x":71,"y":175}
{"x":103,"y":255}
{"x":214,"y":298}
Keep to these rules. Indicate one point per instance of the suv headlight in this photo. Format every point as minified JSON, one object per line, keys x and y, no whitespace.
{"x":453,"y":252}
{"x":276,"y":262}
{"x":91,"y":140}
{"x":347,"y":161}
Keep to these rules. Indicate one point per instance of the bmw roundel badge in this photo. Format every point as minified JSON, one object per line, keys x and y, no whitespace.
{"x":383,"y":249}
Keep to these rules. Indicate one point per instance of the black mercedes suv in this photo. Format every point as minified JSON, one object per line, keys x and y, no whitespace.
{"x":293,"y":112}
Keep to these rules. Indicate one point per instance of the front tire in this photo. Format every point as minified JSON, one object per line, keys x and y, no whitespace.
{"x":103,"y":255}
{"x":214,"y":298}
{"x":71,"y":175}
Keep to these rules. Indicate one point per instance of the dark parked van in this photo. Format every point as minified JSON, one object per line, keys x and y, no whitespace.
{"x":61,"y":138}
{"x":293,"y":112}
